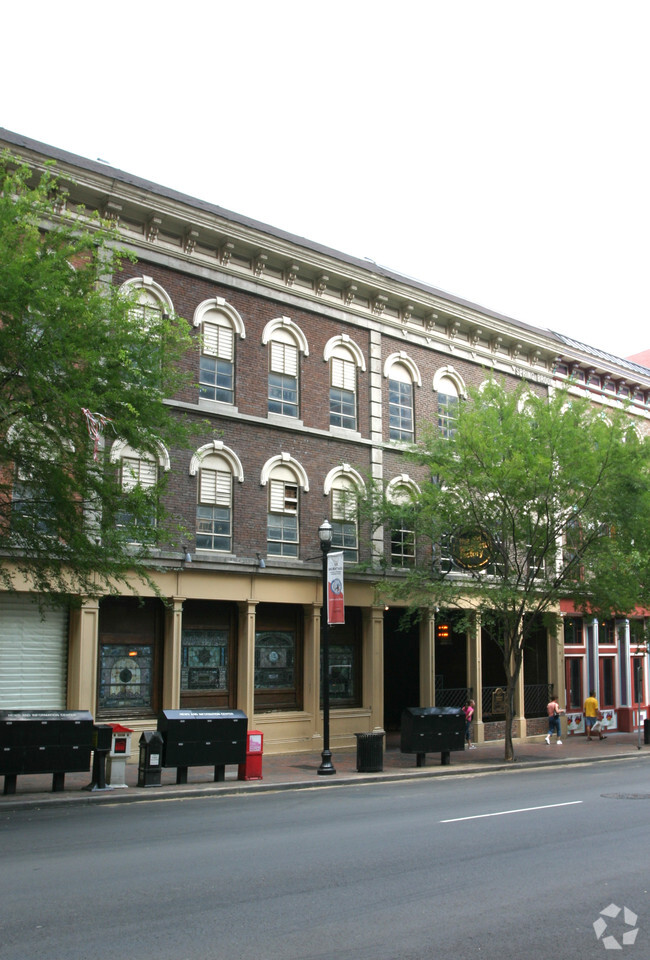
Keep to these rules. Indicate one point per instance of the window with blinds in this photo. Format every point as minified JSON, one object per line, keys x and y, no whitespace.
{"x":282,"y":520}
{"x":214,"y":511}
{"x":283,"y":379}
{"x":141,"y":473}
{"x":216,"y":367}
{"x":137,"y":472}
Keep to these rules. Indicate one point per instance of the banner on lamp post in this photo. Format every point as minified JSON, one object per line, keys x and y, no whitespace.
{"x":335,"y":599}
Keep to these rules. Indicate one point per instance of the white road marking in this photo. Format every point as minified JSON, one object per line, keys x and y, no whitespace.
{"x":504,"y":813}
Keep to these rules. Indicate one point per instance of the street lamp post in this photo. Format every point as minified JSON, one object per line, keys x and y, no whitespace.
{"x":326,"y":768}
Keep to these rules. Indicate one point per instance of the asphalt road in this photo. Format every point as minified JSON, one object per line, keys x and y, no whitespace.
{"x":500,"y":866}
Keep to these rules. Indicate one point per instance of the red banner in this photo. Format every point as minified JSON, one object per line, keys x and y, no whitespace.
{"x":335,"y":598}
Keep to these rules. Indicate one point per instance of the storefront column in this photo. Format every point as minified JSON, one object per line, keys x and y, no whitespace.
{"x":373,"y":664}
{"x":312,"y":613}
{"x":475,"y":677}
{"x":82,"y":657}
{"x":171,"y":688}
{"x":556,"y":675}
{"x":593,"y":673}
{"x":246,"y":660}
{"x":428,"y":659}
{"x":622,"y":634}
{"x":519,"y":720}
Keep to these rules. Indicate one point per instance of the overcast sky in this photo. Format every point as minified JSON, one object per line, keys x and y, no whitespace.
{"x":497,"y":149}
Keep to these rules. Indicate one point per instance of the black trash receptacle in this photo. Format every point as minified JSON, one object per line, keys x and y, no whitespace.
{"x":370,"y":752}
{"x":646,"y":731}
{"x":150,"y":760}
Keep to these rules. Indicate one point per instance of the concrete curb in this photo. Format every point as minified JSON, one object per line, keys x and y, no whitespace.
{"x":242,"y":788}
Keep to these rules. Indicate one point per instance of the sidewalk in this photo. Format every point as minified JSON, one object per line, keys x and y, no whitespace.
{"x":299,"y":771}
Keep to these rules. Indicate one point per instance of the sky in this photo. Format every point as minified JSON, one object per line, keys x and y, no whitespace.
{"x":495,"y":149}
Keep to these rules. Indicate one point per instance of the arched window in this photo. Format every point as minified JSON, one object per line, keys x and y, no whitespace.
{"x":152,"y":301}
{"x":286,"y":341}
{"x":450,"y":388}
{"x":284,"y":476}
{"x":344,"y":486}
{"x":216,"y":466}
{"x":344,"y":357}
{"x":214,"y":505}
{"x":400,"y":491}
{"x":402,"y":374}
{"x":138,"y":471}
{"x":220,"y":324}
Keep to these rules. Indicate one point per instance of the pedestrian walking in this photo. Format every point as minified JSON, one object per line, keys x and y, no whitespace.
{"x":553,"y":710}
{"x":592,"y":721}
{"x":468,"y":710}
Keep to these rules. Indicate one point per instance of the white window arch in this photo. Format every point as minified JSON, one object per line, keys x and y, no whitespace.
{"x":286,"y":342}
{"x":153,"y":301}
{"x":284,"y":477}
{"x":403,"y":359}
{"x":220,"y":325}
{"x":344,"y":485}
{"x":216,"y":466}
{"x":345,"y":358}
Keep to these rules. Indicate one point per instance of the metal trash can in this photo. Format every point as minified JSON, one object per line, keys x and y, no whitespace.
{"x":370,"y":752}
{"x":646,"y":731}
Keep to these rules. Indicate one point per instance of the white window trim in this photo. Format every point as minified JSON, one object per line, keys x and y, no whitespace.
{"x":121,"y":446}
{"x":219,"y":305}
{"x":454,"y":376}
{"x":350,"y":474}
{"x":403,"y":480}
{"x":343,"y":340}
{"x":217,"y":446}
{"x":403,"y":359}
{"x":150,"y":285}
{"x":285,"y":323}
{"x":285,"y":460}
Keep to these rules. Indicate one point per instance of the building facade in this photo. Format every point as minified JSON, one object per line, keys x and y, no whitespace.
{"x":312,"y":371}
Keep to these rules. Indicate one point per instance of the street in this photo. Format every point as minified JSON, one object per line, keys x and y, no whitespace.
{"x":498,"y":866}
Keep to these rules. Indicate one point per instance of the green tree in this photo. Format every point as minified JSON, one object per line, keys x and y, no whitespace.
{"x":77,"y":359}
{"x":533,"y":500}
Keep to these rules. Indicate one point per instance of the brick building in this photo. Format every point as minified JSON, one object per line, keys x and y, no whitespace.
{"x":312,"y":368}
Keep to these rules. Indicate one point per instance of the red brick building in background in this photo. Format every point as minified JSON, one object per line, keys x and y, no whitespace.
{"x":313,"y":370}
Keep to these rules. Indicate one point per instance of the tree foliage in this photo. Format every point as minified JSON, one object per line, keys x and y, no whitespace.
{"x":72,"y":344}
{"x":536,"y":499}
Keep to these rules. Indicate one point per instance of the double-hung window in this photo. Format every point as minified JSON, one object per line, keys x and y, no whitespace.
{"x":283,"y":377}
{"x":345,"y":533}
{"x":138,"y":472}
{"x":400,"y":404}
{"x":282,"y":519}
{"x":217,"y":368}
{"x":214,"y":509}
{"x":447,"y":407}
{"x":220,"y":325}
{"x":343,"y":392}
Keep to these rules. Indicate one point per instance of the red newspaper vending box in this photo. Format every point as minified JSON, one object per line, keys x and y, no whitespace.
{"x":252,"y":769}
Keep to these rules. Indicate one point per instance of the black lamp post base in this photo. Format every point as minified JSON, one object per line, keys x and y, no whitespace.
{"x":326,"y":767}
